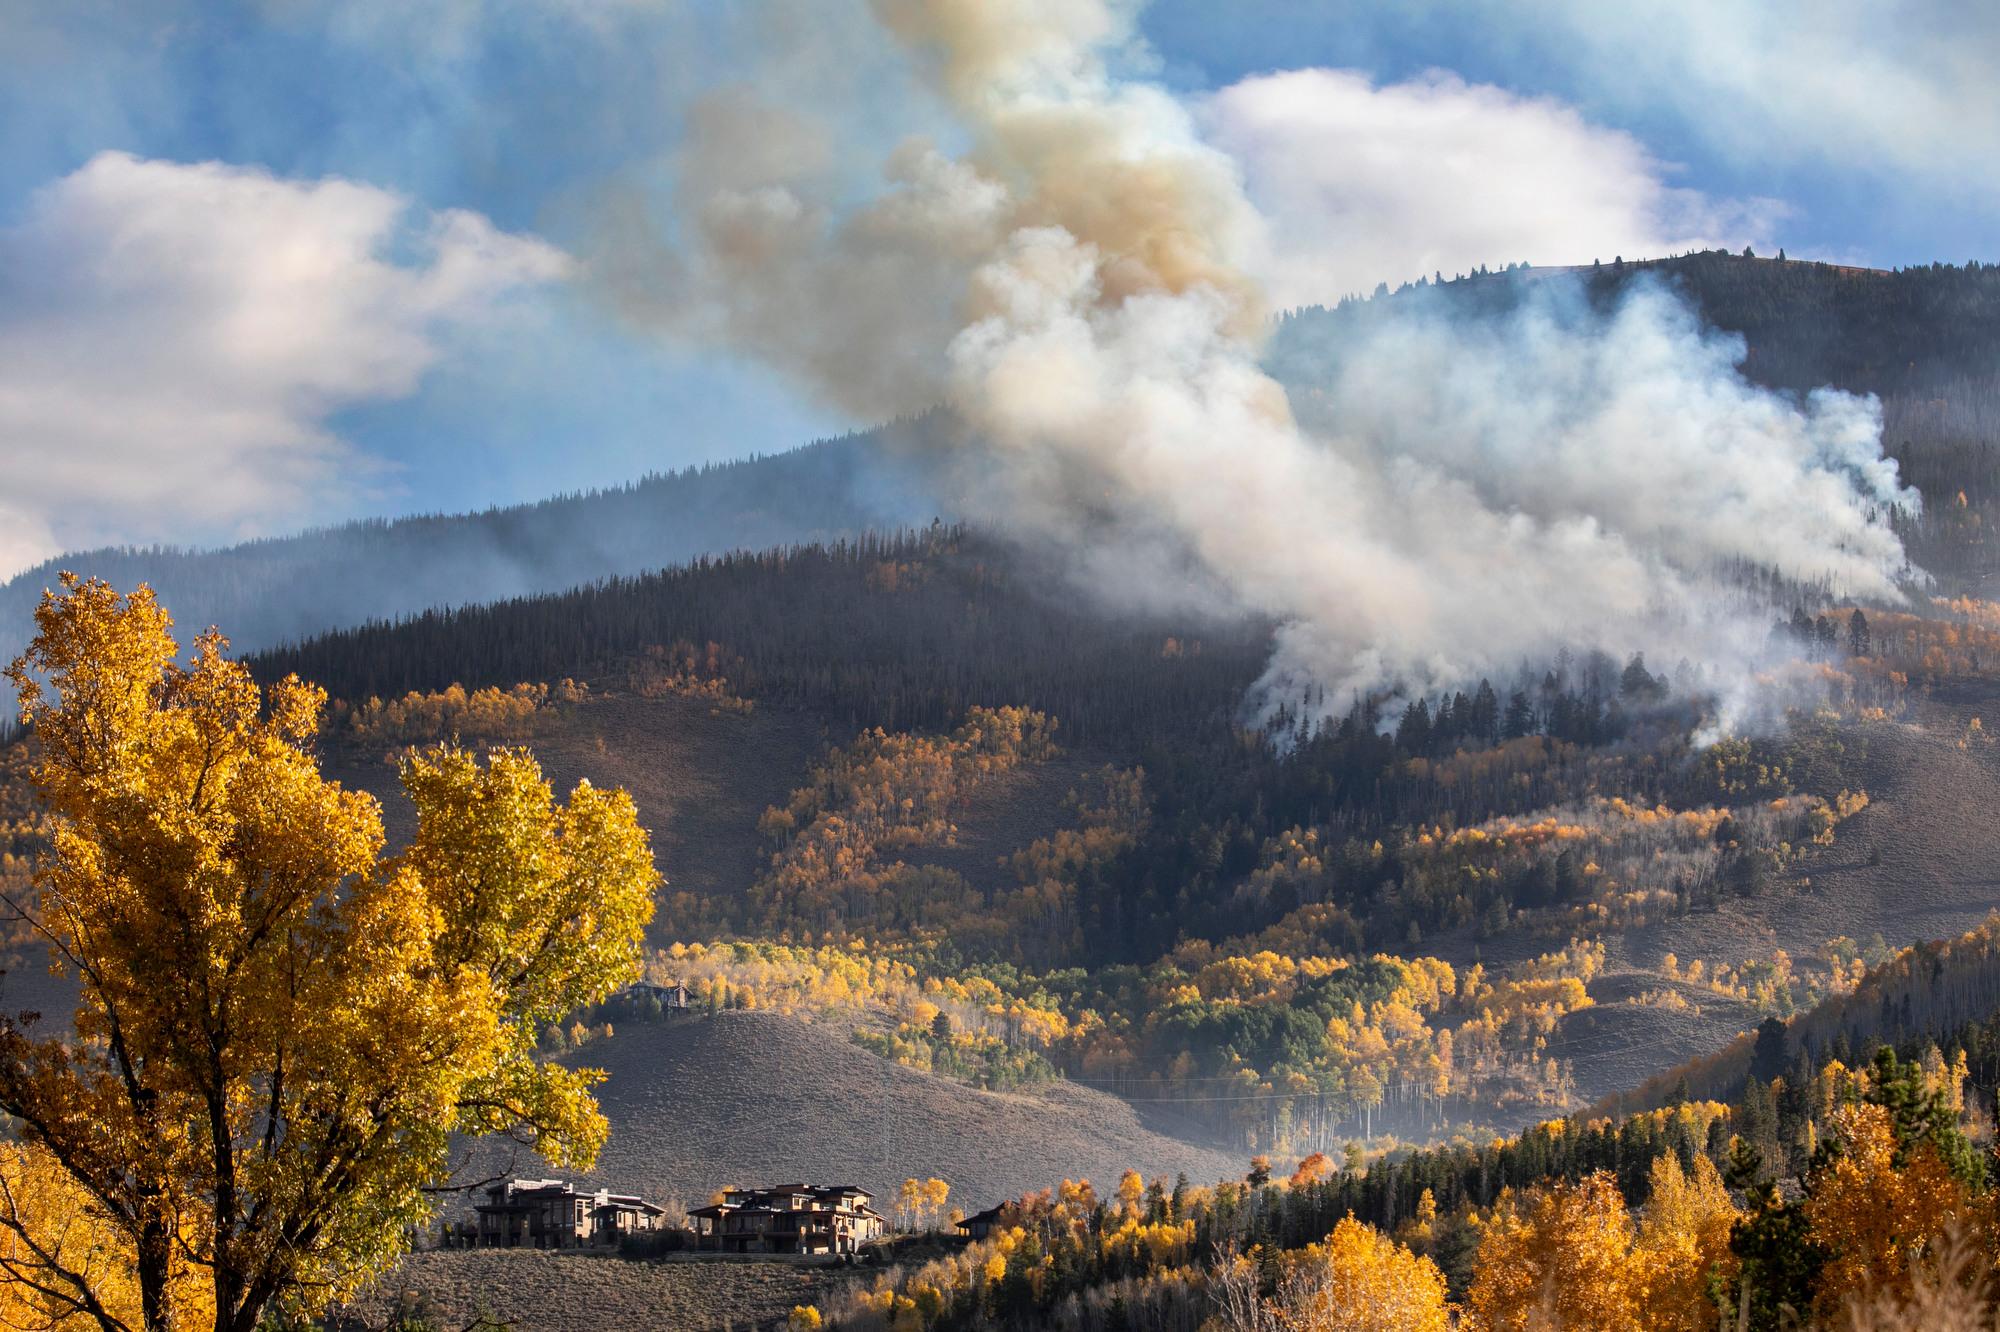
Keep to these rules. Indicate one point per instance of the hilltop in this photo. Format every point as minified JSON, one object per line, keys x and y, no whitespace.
{"x":283,"y":589}
{"x":1926,"y":339}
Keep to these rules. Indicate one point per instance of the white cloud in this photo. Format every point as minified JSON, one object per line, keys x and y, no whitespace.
{"x":175,"y":338}
{"x":1363,"y":184}
{"x":1905,"y":90}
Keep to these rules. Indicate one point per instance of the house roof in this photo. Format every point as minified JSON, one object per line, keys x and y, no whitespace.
{"x":630,"y":1205}
{"x":520,"y":1195}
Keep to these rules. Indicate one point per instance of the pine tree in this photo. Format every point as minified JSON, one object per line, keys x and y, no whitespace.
{"x":1860,"y":643}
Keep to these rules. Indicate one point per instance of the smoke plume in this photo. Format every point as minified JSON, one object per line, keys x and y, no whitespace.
{"x":1421,"y":501}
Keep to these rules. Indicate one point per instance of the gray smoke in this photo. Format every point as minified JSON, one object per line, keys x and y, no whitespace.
{"x":1430,"y":500}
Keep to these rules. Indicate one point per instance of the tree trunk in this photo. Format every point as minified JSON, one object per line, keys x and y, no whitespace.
{"x":228,"y":1292}
{"x":155,"y":1265}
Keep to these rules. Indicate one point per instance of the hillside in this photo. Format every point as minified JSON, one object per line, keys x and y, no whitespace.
{"x":703,"y":776}
{"x":531,"y":1290}
{"x":1199,"y":952}
{"x":282,"y":589}
{"x":1917,"y":864}
{"x":699,"y":1103}
{"x":1926,"y":339}
{"x":903,"y":632}
{"x":906,"y":634}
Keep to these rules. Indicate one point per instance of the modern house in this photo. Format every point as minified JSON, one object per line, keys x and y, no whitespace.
{"x":792,"y":1218}
{"x":981,"y":1224}
{"x":670,"y":996}
{"x":550,"y":1214}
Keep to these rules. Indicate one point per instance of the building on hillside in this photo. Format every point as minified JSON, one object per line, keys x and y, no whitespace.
{"x":551,"y":1214}
{"x":670,"y":996}
{"x":792,"y":1218}
{"x":981,"y":1224}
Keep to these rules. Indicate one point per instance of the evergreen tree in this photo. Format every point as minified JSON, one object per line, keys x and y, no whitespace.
{"x":1413,"y":734}
{"x":1859,"y":641}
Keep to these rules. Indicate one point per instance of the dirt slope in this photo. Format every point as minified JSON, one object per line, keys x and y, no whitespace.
{"x":1921,"y":862}
{"x":700,"y":1103}
{"x":535,"y":1291}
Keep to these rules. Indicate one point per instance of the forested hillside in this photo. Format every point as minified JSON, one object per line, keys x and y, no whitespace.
{"x":962,"y":820}
{"x":1401,"y":915}
{"x":1926,"y":339}
{"x":1295,"y":918}
{"x":903,"y":631}
{"x":1845,"y":1158}
{"x":276,"y":591}
{"x":1674,"y":1219}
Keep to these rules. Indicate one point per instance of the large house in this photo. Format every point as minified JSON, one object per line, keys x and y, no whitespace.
{"x":550,"y":1214}
{"x":669,"y":996}
{"x":792,"y":1218}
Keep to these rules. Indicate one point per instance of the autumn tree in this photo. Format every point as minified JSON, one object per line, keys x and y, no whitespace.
{"x":1683,"y":1243}
{"x":62,"y":1263}
{"x":1311,"y":1170}
{"x":279,"y":1028}
{"x":1878,"y":1205}
{"x":1559,"y":1256}
{"x":1360,"y":1280}
{"x":922,"y":1201}
{"x":1131,"y":1193}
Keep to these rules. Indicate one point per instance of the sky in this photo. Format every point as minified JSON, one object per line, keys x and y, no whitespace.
{"x":272,"y":263}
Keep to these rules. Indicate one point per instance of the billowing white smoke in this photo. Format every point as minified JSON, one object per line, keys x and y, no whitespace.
{"x":1432,"y":500}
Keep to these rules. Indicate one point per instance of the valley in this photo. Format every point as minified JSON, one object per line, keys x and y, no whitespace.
{"x":969,"y":876}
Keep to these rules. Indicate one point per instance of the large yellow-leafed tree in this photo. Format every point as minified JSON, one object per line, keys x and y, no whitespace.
{"x":1360,"y":1280}
{"x":1558,"y":1257}
{"x":1683,"y":1241}
{"x":1878,"y":1213}
{"x":280,"y":1028}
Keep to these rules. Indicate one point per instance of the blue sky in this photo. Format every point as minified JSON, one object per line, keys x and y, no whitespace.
{"x":459,"y":366}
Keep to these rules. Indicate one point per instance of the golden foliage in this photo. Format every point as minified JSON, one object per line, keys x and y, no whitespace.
{"x":1683,"y":1236}
{"x":66,"y":1263}
{"x":455,"y":714}
{"x":279,"y":1030}
{"x":1359,"y":1280}
{"x":838,"y":836}
{"x":1560,"y":1256}
{"x":1878,"y":1214}
{"x":683,"y":671}
{"x":920,"y":1203}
